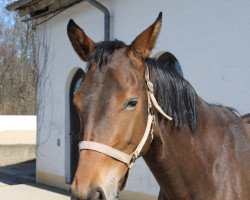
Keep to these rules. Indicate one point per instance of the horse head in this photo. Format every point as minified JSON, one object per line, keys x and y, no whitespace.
{"x":112,"y":103}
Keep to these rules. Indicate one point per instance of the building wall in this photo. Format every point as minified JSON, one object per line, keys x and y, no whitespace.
{"x":210,"y":39}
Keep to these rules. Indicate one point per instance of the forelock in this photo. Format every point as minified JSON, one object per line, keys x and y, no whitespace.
{"x":103,"y":52}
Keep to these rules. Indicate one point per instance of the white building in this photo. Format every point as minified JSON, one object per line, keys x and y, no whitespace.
{"x":210,"y":38}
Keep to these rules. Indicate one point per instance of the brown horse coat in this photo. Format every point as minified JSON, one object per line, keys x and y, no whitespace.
{"x":203,"y":154}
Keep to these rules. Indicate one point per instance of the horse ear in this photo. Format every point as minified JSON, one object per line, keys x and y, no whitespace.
{"x":143,"y":44}
{"x":82,"y":44}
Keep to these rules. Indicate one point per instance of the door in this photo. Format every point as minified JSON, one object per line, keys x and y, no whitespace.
{"x":74,"y":123}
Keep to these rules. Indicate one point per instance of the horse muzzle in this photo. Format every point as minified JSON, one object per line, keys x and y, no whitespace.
{"x":94,"y":194}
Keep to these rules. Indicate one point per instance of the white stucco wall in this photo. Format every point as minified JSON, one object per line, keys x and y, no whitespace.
{"x":210,"y":39}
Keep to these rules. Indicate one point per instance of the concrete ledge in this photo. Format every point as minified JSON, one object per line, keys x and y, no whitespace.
{"x":17,"y":147}
{"x":17,"y":137}
{"x":13,"y":154}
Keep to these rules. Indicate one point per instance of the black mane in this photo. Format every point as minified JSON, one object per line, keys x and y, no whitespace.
{"x":174,"y":94}
{"x":103,"y":51}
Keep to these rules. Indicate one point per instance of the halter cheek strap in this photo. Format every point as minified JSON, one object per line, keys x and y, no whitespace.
{"x":151,"y":95}
{"x":129,"y":159}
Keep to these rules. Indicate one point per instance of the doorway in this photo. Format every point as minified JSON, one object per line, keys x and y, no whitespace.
{"x":74,"y":123}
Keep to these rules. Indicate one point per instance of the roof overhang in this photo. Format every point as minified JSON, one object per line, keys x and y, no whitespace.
{"x":17,"y":4}
{"x":33,"y":9}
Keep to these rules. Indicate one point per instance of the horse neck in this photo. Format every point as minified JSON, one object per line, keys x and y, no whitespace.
{"x":172,"y":154}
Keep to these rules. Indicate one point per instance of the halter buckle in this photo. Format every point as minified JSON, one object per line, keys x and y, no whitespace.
{"x":133,"y":159}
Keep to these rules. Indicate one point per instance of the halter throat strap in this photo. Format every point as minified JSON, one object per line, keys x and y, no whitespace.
{"x":129,"y":159}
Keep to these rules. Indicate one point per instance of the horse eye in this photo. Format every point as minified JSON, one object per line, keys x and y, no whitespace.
{"x":131,"y":104}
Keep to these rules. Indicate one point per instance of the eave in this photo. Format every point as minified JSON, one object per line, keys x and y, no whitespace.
{"x":33,"y":9}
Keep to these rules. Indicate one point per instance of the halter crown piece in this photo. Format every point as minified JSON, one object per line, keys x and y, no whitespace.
{"x":129,"y":159}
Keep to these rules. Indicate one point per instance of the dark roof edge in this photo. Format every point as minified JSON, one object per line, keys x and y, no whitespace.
{"x":17,"y":4}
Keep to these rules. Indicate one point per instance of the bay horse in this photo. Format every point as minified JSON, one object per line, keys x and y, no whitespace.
{"x":123,"y":102}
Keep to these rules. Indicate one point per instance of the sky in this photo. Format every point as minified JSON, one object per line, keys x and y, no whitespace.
{"x":5,"y":16}
{"x":3,"y":3}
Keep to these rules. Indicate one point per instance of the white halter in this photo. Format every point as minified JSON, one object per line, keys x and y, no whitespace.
{"x":129,"y":159}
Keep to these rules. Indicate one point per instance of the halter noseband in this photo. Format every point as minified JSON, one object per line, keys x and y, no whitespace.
{"x":129,"y":159}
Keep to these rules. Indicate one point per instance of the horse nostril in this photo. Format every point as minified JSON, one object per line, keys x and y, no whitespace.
{"x":94,"y":194}
{"x":98,"y":194}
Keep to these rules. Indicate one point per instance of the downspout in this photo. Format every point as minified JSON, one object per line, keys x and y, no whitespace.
{"x":106,"y":17}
